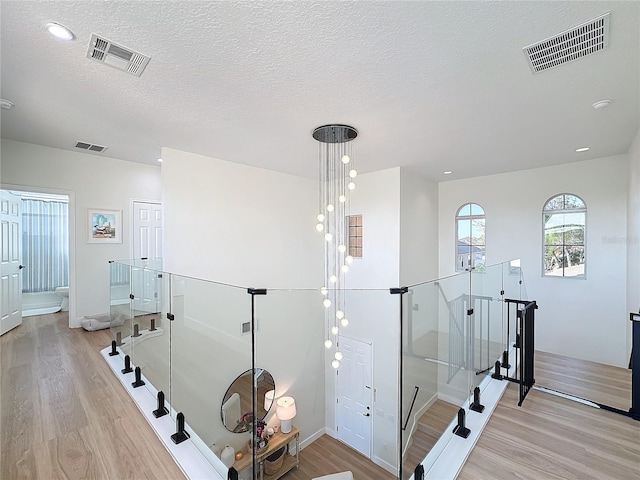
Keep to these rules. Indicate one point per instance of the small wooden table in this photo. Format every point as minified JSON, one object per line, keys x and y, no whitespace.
{"x":275,"y":442}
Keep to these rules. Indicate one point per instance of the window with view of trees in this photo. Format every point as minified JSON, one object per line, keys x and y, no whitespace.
{"x":564,"y":220}
{"x":470,"y":242}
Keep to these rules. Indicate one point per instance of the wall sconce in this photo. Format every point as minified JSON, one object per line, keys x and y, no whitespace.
{"x":285,"y":411}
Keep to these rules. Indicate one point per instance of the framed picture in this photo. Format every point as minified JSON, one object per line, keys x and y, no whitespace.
{"x":105,"y":226}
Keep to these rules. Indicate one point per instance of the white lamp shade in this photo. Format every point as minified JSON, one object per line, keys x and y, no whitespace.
{"x":268,"y":400}
{"x":286,"y":408}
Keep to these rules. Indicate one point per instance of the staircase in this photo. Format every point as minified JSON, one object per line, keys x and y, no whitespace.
{"x":431,"y":425}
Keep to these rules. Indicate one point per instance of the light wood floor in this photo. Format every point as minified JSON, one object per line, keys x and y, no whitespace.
{"x":554,"y":438}
{"x":63,"y":414}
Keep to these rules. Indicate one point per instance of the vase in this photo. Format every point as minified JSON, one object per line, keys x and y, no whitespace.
{"x":228,"y":456}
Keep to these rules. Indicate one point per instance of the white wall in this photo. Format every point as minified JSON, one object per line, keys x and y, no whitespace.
{"x":250,"y":227}
{"x":93,"y":181}
{"x":375,"y":314}
{"x":579,"y":318}
{"x":418,"y":229}
{"x":633,"y":233}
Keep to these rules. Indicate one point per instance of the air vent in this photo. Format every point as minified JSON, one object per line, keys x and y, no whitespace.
{"x":583,"y":40}
{"x":117,"y":56}
{"x":91,"y":147}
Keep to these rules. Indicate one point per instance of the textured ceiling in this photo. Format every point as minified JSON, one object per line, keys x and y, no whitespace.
{"x":430,"y":85}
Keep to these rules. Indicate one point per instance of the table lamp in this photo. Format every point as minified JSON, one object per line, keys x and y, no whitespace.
{"x":285,"y":411}
{"x":268,"y":400}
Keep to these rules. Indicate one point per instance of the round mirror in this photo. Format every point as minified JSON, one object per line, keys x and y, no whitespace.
{"x":236,"y":411}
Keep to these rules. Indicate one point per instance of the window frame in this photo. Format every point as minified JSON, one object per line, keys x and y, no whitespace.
{"x":564,"y":210}
{"x":470,"y":218}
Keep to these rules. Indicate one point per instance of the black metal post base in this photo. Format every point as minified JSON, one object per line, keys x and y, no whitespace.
{"x":181,"y":435}
{"x":232,"y":474}
{"x":136,"y":330}
{"x":113,"y":351}
{"x":418,"y":474}
{"x":476,"y":406}
{"x":119,"y":338}
{"x":505,"y":360}
{"x":127,"y":365}
{"x":153,"y":328}
{"x":162,"y":410}
{"x":460,"y":429}
{"x":497,"y":375}
{"x":139,"y":382}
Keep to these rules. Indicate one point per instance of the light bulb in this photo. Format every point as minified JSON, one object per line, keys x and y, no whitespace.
{"x":353,"y":173}
{"x":330,"y":207}
{"x":320,"y":217}
{"x":334,"y":330}
{"x":326,"y":302}
{"x":348,"y":259}
{"x":338,"y":356}
{"x":342,"y":198}
{"x":342,"y":248}
{"x":344,"y":268}
{"x":344,"y":321}
{"x":59,"y":31}
{"x":328,"y":237}
{"x":339,"y":314}
{"x":335,"y":364}
{"x":351,"y":185}
{"x":324,"y":291}
{"x":346,"y":158}
{"x":333,"y":279}
{"x":319,"y":227}
{"x":327,"y":344}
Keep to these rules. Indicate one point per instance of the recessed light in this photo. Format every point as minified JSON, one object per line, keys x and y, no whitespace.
{"x":60,"y":31}
{"x":159,"y":160}
{"x":583,"y":149}
{"x":447,"y":172}
{"x":6,"y":104}
{"x":601,"y":104}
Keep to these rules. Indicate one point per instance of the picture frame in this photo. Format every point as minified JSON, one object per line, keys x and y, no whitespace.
{"x":105,"y":226}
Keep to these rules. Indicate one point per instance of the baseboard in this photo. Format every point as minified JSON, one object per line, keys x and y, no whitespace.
{"x":384,"y":464}
{"x":312,"y":438}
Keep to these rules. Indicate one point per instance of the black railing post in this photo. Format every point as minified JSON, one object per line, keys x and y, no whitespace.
{"x":400,"y":291}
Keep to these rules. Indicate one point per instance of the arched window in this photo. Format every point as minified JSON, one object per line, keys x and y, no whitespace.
{"x":470,"y":243}
{"x":564,"y":222}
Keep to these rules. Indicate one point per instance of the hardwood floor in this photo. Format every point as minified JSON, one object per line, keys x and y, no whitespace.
{"x":553,"y":438}
{"x":63,"y":414}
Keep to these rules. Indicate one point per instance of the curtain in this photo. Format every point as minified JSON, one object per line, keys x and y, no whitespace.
{"x":45,"y":245}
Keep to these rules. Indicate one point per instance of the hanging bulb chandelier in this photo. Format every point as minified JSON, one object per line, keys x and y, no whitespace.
{"x":336,"y":175}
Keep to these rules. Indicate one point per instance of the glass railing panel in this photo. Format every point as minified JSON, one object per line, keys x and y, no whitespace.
{"x":487,"y":327}
{"x":290,"y":368}
{"x":435,"y":379}
{"x":151,"y":337}
{"x":120,"y":315}
{"x":211,"y":376}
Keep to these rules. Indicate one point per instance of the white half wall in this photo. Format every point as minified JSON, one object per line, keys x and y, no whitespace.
{"x":581,"y":318}
{"x":94,"y":181}
{"x":633,"y":233}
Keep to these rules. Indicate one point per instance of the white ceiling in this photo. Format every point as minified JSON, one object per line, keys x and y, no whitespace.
{"x":429,"y":85}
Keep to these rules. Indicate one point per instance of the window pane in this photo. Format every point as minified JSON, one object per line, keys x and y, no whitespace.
{"x":464,"y":231}
{"x":476,"y":209}
{"x":556,"y":203}
{"x":553,"y":260}
{"x":465,"y":211}
{"x":571,"y":201}
{"x":574,"y":261}
{"x":477,"y":231}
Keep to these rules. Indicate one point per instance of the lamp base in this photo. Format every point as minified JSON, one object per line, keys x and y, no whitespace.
{"x":285,"y":426}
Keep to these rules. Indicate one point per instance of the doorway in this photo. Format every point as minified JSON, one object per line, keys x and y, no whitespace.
{"x":354,"y":412}
{"x":146,"y":243}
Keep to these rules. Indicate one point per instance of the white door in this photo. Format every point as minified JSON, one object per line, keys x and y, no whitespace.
{"x":147,"y":243}
{"x":10,"y":267}
{"x":354,"y":412}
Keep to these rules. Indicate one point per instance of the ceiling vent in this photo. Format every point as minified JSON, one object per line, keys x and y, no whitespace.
{"x":91,"y":147}
{"x":114,"y":55}
{"x":583,"y":40}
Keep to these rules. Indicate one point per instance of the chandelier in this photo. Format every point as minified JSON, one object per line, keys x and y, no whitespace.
{"x":336,"y":176}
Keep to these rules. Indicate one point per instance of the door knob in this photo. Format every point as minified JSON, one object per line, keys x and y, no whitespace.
{"x":20,"y":267}
{"x":366,"y":414}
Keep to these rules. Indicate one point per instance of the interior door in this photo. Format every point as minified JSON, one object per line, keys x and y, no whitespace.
{"x":10,"y":267}
{"x":147,"y":243}
{"x":355,"y":395}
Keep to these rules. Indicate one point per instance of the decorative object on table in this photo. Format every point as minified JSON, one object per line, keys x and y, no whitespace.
{"x":273,"y":462}
{"x":228,"y":456}
{"x":239,"y":455}
{"x":260,"y":440}
{"x":105,"y":226}
{"x":276,"y":428}
{"x":270,"y":432}
{"x":268,"y":400}
{"x":285,"y":411}
{"x":215,"y":449}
